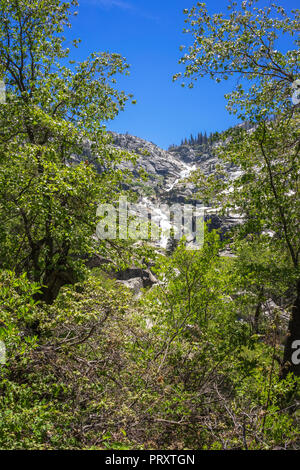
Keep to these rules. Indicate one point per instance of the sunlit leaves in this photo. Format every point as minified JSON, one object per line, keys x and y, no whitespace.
{"x":57,"y":162}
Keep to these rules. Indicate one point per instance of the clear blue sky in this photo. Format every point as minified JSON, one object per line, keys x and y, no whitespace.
{"x":148,"y":34}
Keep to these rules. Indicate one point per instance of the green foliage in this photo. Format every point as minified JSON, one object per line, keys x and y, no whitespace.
{"x":40,"y":383}
{"x":243,"y":43}
{"x":194,"y":363}
{"x":56,"y":161}
{"x":19,"y":313}
{"x":108,"y":372}
{"x":265,"y":191}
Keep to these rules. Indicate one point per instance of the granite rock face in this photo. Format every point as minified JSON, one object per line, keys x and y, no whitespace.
{"x":168,"y":172}
{"x":167,"y":183}
{"x":135,"y":285}
{"x":148,"y":279}
{"x":154,"y":160}
{"x":167,"y":168}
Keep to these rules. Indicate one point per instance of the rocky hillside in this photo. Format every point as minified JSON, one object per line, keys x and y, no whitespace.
{"x":168,"y":171}
{"x":162,"y":167}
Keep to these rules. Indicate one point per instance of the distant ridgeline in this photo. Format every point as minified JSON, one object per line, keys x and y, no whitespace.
{"x":200,"y":139}
{"x":203,"y":138}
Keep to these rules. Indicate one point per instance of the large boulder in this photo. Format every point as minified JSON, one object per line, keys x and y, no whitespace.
{"x":97,"y":261}
{"x":146,"y":276}
{"x":135,"y":285}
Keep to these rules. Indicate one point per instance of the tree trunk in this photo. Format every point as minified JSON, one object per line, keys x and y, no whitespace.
{"x":53,"y":283}
{"x":293,"y":335}
{"x":258,"y":311}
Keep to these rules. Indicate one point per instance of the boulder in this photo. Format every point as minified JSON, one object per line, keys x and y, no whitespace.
{"x":97,"y":261}
{"x":135,"y":285}
{"x":146,"y":276}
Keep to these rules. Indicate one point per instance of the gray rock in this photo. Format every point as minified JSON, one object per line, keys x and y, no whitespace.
{"x":146,"y":276}
{"x":153,"y":159}
{"x":97,"y":261}
{"x":135,"y":284}
{"x":167,"y":172}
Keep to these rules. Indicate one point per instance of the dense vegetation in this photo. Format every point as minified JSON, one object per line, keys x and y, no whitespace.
{"x":203,"y":359}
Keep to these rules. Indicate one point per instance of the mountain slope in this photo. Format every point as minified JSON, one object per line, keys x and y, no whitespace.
{"x":168,"y":172}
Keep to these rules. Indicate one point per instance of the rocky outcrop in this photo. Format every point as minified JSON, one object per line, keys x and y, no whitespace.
{"x":146,"y":276}
{"x":168,"y":172}
{"x":97,"y":261}
{"x":135,"y":285}
{"x":136,"y":279}
{"x":162,"y":167}
{"x":222,"y":223}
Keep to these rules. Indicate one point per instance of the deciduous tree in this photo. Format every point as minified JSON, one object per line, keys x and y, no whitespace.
{"x":243,"y":44}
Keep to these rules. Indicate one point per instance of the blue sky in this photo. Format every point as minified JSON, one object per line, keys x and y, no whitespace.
{"x":148,"y":34}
